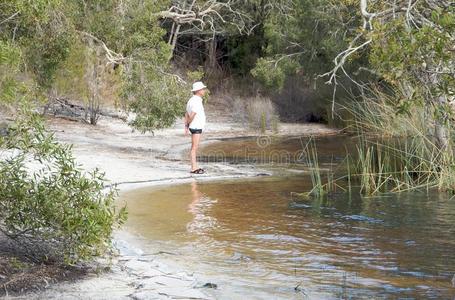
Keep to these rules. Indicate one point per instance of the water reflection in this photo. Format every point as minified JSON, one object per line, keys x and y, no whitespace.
{"x":199,"y":207}
{"x":252,"y":237}
{"x":276,"y":150}
{"x":195,"y":197}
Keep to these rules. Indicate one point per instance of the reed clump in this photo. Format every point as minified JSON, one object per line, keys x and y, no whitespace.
{"x":395,"y":153}
{"x":322,"y":180}
{"x":402,"y":164}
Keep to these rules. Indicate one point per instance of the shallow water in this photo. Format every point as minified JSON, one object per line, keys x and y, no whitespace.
{"x":255,"y":240}
{"x":284,"y":151}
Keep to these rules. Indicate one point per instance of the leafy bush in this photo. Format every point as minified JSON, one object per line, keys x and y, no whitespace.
{"x":273,"y":77}
{"x":47,"y":204}
{"x":157,"y":103}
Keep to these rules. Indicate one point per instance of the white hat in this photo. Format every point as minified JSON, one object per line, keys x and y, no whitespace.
{"x":197,"y":86}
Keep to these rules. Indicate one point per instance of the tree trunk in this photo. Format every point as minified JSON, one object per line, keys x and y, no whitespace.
{"x":175,"y":36}
{"x":212,"y":49}
{"x":176,"y":30}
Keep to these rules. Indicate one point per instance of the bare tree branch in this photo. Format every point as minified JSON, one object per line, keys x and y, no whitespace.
{"x":213,"y":18}
{"x":9,"y":18}
{"x":415,"y":17}
{"x":111,"y":56}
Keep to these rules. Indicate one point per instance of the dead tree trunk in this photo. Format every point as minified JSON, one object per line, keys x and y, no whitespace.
{"x":173,"y":38}
{"x":211,"y":45}
{"x":176,"y":26}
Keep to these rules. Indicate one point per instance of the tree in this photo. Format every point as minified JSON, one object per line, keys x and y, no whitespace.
{"x":9,"y":68}
{"x":303,"y":37}
{"x":27,"y":35}
{"x":124,"y":36}
{"x":208,"y":18}
{"x":57,"y":212}
{"x":133,"y":44}
{"x":410,"y":46}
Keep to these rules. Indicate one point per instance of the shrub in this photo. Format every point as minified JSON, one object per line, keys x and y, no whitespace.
{"x":262,"y":115}
{"x":239,"y":113}
{"x":47,"y":204}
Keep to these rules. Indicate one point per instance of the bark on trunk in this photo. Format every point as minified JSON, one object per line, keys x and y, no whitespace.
{"x":211,"y":49}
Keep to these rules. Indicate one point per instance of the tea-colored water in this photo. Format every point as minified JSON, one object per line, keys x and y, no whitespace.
{"x":255,"y":240}
{"x":277,"y":150}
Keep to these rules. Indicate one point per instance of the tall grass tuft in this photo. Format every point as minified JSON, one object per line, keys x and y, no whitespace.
{"x":375,"y":114}
{"x":311,"y":155}
{"x":258,"y":113}
{"x":262,"y":114}
{"x":395,"y":153}
{"x":320,"y":187}
{"x":397,"y":165}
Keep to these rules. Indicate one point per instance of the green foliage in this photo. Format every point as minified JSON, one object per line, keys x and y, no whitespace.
{"x":48,"y":204}
{"x":270,"y":75}
{"x":45,"y":54}
{"x":403,"y":54}
{"x":150,"y":90}
{"x":396,"y":152}
{"x":244,"y":51}
{"x":263,"y":123}
{"x":402,"y":165}
{"x":377,"y":114}
{"x":50,"y":36}
{"x":321,"y":187}
{"x":156,"y":102}
{"x":32,"y":13}
{"x":39,"y":32}
{"x":10,"y":57}
{"x":416,"y":60}
{"x":302,"y":40}
{"x":71,"y":75}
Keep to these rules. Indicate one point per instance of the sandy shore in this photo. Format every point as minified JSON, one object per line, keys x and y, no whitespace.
{"x":131,"y":160}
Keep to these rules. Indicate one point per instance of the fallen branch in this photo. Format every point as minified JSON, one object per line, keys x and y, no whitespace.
{"x":62,"y":108}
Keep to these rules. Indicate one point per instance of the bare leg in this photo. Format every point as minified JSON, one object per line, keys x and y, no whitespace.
{"x":195,"y":138}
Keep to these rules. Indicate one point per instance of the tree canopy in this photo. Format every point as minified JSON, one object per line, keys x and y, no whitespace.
{"x":143,"y":50}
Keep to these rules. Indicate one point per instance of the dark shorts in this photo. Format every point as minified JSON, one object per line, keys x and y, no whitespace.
{"x":195,"y":131}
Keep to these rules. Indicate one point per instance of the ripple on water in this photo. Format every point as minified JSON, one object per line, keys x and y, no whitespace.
{"x":251,"y":237}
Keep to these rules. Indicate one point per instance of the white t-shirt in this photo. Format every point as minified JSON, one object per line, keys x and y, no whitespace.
{"x":195,"y":105}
